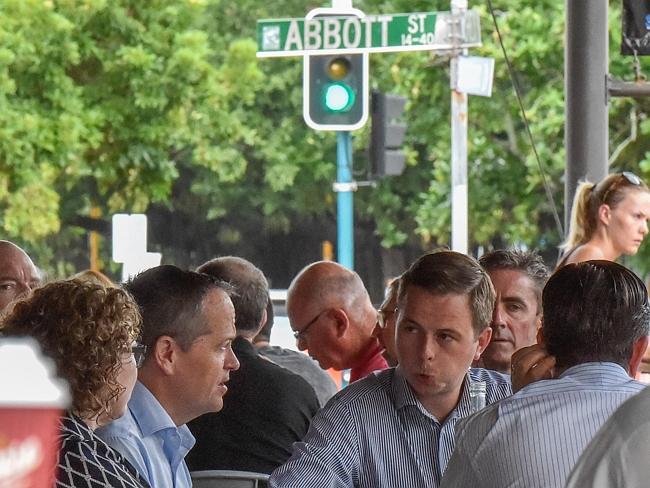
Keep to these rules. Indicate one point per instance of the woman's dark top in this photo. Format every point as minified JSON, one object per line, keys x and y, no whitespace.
{"x":86,"y":461}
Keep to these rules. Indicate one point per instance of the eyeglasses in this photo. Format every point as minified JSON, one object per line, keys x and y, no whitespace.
{"x":139,"y":352}
{"x":624,"y":177}
{"x":301,"y":334}
{"x":383,"y":316}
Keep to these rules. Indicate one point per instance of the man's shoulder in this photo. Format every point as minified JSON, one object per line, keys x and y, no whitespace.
{"x":267,"y":370}
{"x":264,"y":382}
{"x":289,"y":359}
{"x":124,"y":427}
{"x":497,"y":385}
{"x":586,"y":380}
{"x":374,"y":387}
{"x":633,"y":413}
{"x":489,"y":376}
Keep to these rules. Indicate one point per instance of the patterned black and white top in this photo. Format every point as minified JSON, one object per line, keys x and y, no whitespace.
{"x":86,"y":461}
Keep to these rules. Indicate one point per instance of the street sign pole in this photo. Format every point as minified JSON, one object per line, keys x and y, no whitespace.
{"x":344,"y":200}
{"x":345,"y":30}
{"x":458,"y":149}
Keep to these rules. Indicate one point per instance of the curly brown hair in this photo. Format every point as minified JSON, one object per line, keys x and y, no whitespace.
{"x":85,"y":328}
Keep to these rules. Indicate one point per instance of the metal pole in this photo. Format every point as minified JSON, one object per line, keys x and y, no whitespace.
{"x":585,"y":74}
{"x":458,"y":152}
{"x":344,"y":200}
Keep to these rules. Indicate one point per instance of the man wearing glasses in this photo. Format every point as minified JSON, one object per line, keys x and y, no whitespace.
{"x":333,"y":319}
{"x":188,"y":325}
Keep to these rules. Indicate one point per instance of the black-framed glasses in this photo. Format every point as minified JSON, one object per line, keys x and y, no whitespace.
{"x":624,"y":177}
{"x":139,"y":352}
{"x":301,"y":334}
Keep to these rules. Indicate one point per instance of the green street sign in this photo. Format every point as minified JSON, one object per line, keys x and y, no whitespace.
{"x":374,"y":33}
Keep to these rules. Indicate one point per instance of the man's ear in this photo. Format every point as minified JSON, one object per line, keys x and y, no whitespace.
{"x":483,"y":342}
{"x":165,"y":354}
{"x":341,"y":320}
{"x":265,"y":318}
{"x":540,"y":334}
{"x":638,"y":350}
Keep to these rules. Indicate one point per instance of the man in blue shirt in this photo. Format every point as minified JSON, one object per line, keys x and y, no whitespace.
{"x":596,"y":322}
{"x":396,"y":427}
{"x":188,"y":325}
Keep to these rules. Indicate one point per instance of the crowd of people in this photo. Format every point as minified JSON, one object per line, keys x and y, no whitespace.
{"x":488,"y":373}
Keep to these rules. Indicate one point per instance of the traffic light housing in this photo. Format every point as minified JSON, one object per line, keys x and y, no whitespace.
{"x":387,"y":134}
{"x":335,"y":91}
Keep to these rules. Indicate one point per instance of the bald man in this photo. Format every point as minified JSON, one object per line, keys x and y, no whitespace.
{"x":18,"y":275}
{"x":333,"y":319}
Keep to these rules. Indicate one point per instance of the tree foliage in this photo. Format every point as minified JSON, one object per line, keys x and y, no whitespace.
{"x":105,"y":103}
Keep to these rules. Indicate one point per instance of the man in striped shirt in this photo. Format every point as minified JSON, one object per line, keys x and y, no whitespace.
{"x":395,"y":428}
{"x":596,"y":323}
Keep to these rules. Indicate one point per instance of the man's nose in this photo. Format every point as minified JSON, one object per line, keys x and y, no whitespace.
{"x":498,"y":317}
{"x":301,"y":343}
{"x":429,"y":349}
{"x":233,"y":363}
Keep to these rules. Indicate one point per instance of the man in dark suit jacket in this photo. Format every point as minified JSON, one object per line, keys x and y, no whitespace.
{"x":267,"y":408}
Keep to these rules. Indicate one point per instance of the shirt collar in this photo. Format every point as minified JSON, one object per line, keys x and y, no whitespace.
{"x":243,"y":347}
{"x":404,"y":395}
{"x":148,"y":412}
{"x":464,"y":406}
{"x":590,"y":375}
{"x":616,"y":370}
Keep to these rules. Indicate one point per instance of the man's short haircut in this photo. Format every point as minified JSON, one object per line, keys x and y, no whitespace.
{"x":170,"y":301}
{"x":594,"y":311}
{"x":251,"y":289}
{"x":449,"y":272}
{"x":528,"y":262}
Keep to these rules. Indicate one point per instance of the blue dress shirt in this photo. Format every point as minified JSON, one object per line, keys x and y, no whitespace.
{"x":148,"y":438}
{"x":535,"y":437}
{"x":375,"y":433}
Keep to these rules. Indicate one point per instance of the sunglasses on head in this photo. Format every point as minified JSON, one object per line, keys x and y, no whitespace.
{"x":623,"y":177}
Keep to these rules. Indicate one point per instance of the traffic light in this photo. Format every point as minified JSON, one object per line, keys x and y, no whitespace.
{"x":387,"y":134}
{"x":335,"y":91}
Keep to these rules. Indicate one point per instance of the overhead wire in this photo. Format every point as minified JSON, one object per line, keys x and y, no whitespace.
{"x":515,"y":84}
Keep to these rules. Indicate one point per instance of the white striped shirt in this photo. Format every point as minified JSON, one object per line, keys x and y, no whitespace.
{"x":619,"y":455}
{"x":375,"y":433}
{"x":535,"y":437}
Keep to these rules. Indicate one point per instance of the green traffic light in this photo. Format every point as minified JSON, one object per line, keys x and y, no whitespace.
{"x":339,"y":97}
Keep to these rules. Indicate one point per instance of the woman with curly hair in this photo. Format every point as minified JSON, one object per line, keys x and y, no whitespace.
{"x":608,"y":219}
{"x":89,"y":331}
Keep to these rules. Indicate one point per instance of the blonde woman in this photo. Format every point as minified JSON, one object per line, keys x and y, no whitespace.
{"x":608,"y":219}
